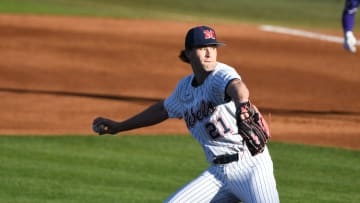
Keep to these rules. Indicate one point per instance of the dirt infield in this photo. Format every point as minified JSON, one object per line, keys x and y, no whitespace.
{"x":58,"y":73}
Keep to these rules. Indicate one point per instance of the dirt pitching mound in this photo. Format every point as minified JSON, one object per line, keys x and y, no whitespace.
{"x":59,"y":73}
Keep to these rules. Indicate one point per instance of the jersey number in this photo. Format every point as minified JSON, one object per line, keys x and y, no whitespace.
{"x":213,"y":131}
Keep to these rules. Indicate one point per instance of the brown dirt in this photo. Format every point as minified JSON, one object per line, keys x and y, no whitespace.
{"x":58,"y":73}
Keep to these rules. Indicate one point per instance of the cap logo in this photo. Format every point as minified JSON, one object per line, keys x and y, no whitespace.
{"x":209,"y":34}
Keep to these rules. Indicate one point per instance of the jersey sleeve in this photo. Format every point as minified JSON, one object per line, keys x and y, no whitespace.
{"x":172,"y":104}
{"x":221,"y":80}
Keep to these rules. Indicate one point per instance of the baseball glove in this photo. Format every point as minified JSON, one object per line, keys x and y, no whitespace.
{"x":252,"y":127}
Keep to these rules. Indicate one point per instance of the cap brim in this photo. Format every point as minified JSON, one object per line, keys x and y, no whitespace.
{"x":216,"y":44}
{"x":220,"y":44}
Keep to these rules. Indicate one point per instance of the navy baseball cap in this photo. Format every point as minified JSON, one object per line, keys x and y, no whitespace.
{"x":201,"y":36}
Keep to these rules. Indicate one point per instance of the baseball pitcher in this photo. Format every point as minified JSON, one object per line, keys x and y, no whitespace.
{"x":214,"y":103}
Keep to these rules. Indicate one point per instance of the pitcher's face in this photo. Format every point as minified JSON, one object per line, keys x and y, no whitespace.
{"x":204,"y":57}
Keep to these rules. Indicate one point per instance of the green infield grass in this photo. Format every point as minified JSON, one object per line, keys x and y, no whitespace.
{"x":150,"y":168}
{"x":308,"y":13}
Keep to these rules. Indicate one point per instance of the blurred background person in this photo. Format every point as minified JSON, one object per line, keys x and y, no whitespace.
{"x":348,"y":23}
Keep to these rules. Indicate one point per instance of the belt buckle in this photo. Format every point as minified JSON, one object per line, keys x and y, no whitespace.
{"x":224,"y":159}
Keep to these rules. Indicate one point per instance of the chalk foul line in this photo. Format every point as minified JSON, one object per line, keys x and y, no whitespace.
{"x":302,"y":33}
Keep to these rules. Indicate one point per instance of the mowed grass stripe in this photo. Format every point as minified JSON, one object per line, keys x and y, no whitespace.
{"x":97,"y":169}
{"x":150,"y":168}
{"x":316,"y":174}
{"x":308,"y":13}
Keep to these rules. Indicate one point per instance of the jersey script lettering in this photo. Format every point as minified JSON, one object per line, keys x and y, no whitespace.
{"x":192,"y":116}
